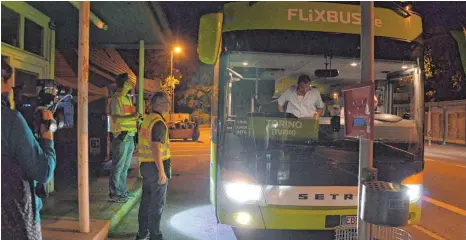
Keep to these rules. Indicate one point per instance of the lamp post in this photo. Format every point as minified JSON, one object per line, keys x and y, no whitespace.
{"x":176,"y":49}
{"x":83,"y":131}
{"x":366,"y":146}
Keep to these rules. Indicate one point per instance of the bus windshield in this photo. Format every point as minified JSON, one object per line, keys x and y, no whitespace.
{"x":277,"y":148}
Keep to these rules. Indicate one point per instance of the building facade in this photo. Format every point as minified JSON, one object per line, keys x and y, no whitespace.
{"x":446,"y":122}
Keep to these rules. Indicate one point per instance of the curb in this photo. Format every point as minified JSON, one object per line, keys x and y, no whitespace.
{"x":125,"y":208}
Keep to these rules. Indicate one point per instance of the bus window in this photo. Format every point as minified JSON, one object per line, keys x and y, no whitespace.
{"x":310,"y":143}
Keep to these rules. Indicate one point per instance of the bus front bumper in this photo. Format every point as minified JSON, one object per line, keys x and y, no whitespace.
{"x":294,"y":218}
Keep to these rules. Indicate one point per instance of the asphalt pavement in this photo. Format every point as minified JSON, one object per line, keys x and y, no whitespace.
{"x":444,"y":200}
{"x":189,"y":216}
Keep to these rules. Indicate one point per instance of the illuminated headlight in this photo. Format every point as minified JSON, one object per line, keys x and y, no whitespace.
{"x":243,"y":192}
{"x":414,"y":192}
{"x":243,"y":218}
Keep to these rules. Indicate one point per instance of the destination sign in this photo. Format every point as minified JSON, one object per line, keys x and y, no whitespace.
{"x":277,"y":128}
{"x":283,"y":127}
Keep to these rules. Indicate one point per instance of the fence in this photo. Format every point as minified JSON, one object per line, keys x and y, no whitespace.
{"x":446,"y":122}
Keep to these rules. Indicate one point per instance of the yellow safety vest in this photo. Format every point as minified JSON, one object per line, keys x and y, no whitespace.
{"x":127,"y":108}
{"x":145,"y":135}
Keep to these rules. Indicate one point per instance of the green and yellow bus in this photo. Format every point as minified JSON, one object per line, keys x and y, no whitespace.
{"x":269,"y":170}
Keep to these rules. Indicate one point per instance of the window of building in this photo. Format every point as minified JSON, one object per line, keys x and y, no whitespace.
{"x":10,"y":26}
{"x":33,"y":37}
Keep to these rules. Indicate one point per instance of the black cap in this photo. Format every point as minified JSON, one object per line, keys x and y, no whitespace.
{"x":121,"y":79}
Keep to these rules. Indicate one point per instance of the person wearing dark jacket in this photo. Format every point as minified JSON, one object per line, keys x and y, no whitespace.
{"x":25,"y":163}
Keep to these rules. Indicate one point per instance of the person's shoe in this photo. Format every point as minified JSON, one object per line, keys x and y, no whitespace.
{"x":139,"y":237}
{"x":118,"y":199}
{"x":129,"y":195}
{"x":158,"y":236}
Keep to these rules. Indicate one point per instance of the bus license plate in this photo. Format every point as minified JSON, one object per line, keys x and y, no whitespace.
{"x":348,"y":220}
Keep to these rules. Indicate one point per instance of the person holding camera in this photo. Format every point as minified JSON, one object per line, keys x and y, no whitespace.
{"x":26,"y":162}
{"x":123,"y":126}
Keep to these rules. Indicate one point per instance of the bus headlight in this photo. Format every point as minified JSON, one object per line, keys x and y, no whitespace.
{"x":414,"y":192}
{"x":243,"y":192}
{"x":242,"y":218}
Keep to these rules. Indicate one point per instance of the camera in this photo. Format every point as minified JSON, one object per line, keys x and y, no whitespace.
{"x":45,"y":94}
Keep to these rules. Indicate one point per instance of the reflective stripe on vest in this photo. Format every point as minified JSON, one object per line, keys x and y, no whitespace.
{"x":145,"y":139}
{"x":127,"y":108}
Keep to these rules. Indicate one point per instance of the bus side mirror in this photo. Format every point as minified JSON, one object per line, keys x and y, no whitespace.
{"x":210,"y":34}
{"x":335,"y":123}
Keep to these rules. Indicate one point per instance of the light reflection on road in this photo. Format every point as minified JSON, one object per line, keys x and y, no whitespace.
{"x":199,"y":223}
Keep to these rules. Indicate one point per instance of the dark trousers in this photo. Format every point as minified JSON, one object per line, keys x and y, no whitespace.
{"x":152,"y":202}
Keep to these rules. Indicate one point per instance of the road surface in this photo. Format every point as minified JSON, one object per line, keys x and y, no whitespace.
{"x":188,"y":214}
{"x":444,"y":201}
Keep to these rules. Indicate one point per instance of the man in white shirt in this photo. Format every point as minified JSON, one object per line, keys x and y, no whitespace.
{"x":302,"y":100}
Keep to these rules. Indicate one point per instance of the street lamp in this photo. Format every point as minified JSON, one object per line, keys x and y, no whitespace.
{"x":175,"y":49}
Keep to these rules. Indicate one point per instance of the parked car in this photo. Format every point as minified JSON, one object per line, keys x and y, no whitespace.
{"x":184,"y":130}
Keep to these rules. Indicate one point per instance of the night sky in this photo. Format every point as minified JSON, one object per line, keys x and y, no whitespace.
{"x":438,"y":19}
{"x":184,"y":20}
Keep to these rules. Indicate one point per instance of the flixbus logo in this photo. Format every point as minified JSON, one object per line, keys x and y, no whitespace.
{"x":324,"y":16}
{"x":331,"y":196}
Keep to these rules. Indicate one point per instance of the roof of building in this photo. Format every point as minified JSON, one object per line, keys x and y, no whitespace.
{"x":127,"y":21}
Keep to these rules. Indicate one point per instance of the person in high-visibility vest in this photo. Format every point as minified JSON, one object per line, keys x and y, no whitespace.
{"x":123,"y":126}
{"x":154,"y":159}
